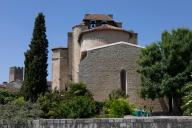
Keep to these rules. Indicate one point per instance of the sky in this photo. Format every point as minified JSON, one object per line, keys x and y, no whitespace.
{"x":148,"y":18}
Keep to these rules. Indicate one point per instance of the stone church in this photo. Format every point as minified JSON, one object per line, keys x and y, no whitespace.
{"x":103,"y":55}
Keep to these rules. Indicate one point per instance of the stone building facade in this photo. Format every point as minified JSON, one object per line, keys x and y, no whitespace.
{"x":102,"y":55}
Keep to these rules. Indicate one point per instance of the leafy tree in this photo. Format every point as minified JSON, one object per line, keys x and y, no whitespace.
{"x":187,"y":99}
{"x":151,"y":72}
{"x":35,"y":81}
{"x":165,"y":67}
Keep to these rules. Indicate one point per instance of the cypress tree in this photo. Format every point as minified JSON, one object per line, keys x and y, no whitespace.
{"x":35,"y":77}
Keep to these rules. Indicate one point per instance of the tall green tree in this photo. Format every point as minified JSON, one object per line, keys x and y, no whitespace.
{"x":187,"y":99}
{"x":35,"y":81}
{"x":165,"y":67}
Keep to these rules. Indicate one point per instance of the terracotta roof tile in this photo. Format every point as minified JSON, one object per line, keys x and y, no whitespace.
{"x":98,"y":17}
{"x":10,"y":89}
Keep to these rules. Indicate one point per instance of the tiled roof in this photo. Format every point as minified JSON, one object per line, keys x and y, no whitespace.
{"x":10,"y":89}
{"x":98,"y":17}
{"x":59,"y":48}
{"x":106,"y":26}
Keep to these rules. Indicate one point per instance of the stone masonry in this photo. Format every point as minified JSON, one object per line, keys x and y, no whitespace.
{"x":99,"y":49}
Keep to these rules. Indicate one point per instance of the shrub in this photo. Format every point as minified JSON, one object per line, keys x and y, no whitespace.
{"x":117,"y":108}
{"x":78,"y":89}
{"x":76,"y":102}
{"x":48,"y":101}
{"x":6,"y":96}
{"x":19,"y":111}
{"x":77,"y":107}
{"x":116,"y":94}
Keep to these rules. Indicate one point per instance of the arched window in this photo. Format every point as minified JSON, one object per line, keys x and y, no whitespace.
{"x":123,"y":77}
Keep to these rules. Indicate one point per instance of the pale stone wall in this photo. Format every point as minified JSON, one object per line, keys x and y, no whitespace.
{"x":75,"y":51}
{"x":129,"y":122}
{"x":59,"y":68}
{"x":100,"y":70}
{"x":99,"y":38}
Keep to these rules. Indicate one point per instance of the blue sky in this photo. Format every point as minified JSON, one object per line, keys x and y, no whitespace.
{"x":149,"y":18}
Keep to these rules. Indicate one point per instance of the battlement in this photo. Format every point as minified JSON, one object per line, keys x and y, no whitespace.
{"x":16,"y":73}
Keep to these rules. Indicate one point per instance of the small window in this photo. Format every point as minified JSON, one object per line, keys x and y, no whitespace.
{"x":92,"y":24}
{"x":123,"y":77}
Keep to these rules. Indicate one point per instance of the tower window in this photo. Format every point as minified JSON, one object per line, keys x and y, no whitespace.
{"x":123,"y":77}
{"x":92,"y":24}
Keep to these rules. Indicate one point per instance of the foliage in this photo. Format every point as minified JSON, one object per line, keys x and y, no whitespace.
{"x":77,"y":107}
{"x":151,"y":72}
{"x":35,"y":81}
{"x":48,"y":101}
{"x":98,"y":108}
{"x":19,"y":111}
{"x":76,"y":102}
{"x":78,"y":89}
{"x":165,"y":67}
{"x":116,"y":94}
{"x":187,"y":100}
{"x":118,"y":107}
{"x":6,"y":96}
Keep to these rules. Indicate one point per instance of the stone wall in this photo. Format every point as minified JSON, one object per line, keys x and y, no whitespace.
{"x":75,"y":52}
{"x":59,"y":68}
{"x":99,"y":38}
{"x":130,"y":122}
{"x":100,"y":71}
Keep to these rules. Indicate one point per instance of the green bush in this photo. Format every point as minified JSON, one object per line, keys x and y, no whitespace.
{"x":78,"y":89}
{"x":19,"y":111}
{"x":48,"y":101}
{"x":76,"y":102}
{"x":116,"y":94}
{"x":6,"y":96}
{"x":117,"y":108}
{"x":76,"y":107}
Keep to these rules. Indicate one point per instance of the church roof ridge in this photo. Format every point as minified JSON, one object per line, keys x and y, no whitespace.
{"x":117,"y":43}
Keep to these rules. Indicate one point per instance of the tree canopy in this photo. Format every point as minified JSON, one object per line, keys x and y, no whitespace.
{"x":166,"y":66}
